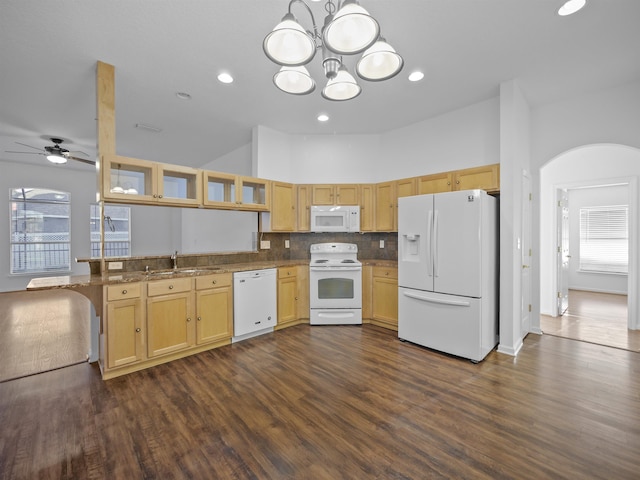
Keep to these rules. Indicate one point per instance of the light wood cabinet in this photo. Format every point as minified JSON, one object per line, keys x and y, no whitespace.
{"x":336,"y":194}
{"x":367,"y":208}
{"x":123,"y":325}
{"x":485,"y":178}
{"x":214,"y":308}
{"x":366,"y":292}
{"x":235,"y":192}
{"x":170,"y":325}
{"x":384,"y":292}
{"x":283,"y":207}
{"x":404,"y":188}
{"x":287,"y":295}
{"x":293,"y":295}
{"x":303,"y":212}
{"x":385,"y":201}
{"x":131,"y":180}
{"x":436,"y":183}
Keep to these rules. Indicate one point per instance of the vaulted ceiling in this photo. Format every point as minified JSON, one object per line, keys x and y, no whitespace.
{"x":466,"y":48}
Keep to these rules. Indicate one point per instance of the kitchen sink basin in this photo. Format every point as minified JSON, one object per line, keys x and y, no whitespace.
{"x":186,"y":271}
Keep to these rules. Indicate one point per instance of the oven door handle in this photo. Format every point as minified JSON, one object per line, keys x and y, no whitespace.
{"x":335,"y":269}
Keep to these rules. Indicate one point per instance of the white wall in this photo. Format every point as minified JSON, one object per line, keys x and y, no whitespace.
{"x":467,"y":137}
{"x":82,"y":186}
{"x":598,"y":196}
{"x":238,"y":162}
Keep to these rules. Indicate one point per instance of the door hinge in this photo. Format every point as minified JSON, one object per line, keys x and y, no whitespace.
{"x":529,"y":252}
{"x":559,"y":295}
{"x":529,"y":196}
{"x":558,"y":249}
{"x":529,"y":307}
{"x":559,"y":203}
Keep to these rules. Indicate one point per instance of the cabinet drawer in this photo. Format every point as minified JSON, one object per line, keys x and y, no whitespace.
{"x":285,"y":272}
{"x":123,"y":291}
{"x":164,"y":287}
{"x":213,"y":281}
{"x":386,"y":272}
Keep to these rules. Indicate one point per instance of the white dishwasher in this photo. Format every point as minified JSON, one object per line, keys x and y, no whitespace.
{"x":254,"y":303}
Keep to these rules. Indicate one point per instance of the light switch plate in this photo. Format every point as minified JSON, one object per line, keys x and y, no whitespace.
{"x":115,"y":265}
{"x":381,"y":243}
{"x":265,"y":244}
{"x":286,"y":244}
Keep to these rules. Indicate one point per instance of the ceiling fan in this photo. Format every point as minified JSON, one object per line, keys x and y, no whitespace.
{"x":55,"y":153}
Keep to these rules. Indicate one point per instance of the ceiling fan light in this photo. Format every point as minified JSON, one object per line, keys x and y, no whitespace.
{"x":57,"y":159}
{"x":288,"y":43}
{"x":342,"y":87}
{"x":294,"y":80}
{"x":379,"y":62}
{"x":352,"y":30}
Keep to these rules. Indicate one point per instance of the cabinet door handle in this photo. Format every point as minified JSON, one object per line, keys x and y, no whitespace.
{"x":296,"y":298}
{"x":189,"y":319}
{"x":386,"y":273}
{"x":214,"y":281}
{"x":124,"y":292}
{"x":159,"y":196}
{"x":138,"y":330}
{"x":170,"y":287}
{"x":199,"y":318}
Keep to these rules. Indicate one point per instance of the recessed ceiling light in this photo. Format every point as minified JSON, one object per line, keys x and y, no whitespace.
{"x":570,"y":7}
{"x":323,"y":117}
{"x":225,"y":78}
{"x":183,"y":95}
{"x":416,"y":76}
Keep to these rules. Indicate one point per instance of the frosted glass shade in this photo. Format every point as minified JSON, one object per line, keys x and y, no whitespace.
{"x":342,"y":87}
{"x":379,"y":62}
{"x":288,"y":43}
{"x":59,"y":159}
{"x":294,"y":80}
{"x":352,"y":30}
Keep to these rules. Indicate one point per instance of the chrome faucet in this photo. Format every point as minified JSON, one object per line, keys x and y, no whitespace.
{"x":174,"y":259}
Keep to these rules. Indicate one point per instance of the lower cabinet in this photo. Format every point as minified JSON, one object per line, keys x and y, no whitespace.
{"x":293,"y":295}
{"x":214,"y":308}
{"x":123,"y":329}
{"x":170,"y":324}
{"x":384,"y":294}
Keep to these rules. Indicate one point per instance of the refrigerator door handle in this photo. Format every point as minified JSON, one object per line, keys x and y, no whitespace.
{"x":435,"y":244}
{"x":455,"y":303}
{"x":429,"y":252}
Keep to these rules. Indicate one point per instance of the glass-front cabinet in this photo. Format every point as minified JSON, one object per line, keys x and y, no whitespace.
{"x":131,"y":180}
{"x":223,"y":190}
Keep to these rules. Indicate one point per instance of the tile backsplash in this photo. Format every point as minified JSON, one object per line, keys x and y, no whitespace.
{"x":299,"y":244}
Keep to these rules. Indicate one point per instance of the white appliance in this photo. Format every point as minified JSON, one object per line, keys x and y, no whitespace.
{"x":335,"y":284}
{"x":254,"y":303}
{"x":336,"y":218}
{"x":447,"y":272}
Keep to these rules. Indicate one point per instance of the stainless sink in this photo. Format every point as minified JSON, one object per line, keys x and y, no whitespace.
{"x":186,"y":271}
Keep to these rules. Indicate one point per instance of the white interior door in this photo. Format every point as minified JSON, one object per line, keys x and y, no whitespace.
{"x":526,"y":254}
{"x":563,"y":252}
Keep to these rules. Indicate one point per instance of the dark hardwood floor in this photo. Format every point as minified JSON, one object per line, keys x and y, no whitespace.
{"x":41,"y":331}
{"x":594,"y":317}
{"x":330,"y":403}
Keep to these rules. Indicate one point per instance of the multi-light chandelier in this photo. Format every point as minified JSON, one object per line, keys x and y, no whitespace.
{"x":348,"y":30}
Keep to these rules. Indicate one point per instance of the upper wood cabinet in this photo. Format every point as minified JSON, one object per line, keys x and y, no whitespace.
{"x":131,"y":180}
{"x":485,"y":178}
{"x":367,"y":208}
{"x":303,"y":211}
{"x":385,"y":201}
{"x":436,"y":183}
{"x":283,"y":207}
{"x":340,"y":194}
{"x":406,"y":187}
{"x":237,"y":192}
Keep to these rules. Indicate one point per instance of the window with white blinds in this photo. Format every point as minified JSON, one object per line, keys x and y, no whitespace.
{"x":604,"y":239}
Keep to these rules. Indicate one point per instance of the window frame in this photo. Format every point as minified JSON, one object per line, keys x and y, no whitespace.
{"x":94,"y":207}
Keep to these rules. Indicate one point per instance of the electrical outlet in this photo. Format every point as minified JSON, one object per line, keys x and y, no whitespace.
{"x":381,"y":243}
{"x":115,"y":265}
{"x":265,"y":244}
{"x":286,"y":244}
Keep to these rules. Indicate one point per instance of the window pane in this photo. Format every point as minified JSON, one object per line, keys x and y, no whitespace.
{"x":39,"y":230}
{"x":604,"y":239}
{"x":117,"y":231}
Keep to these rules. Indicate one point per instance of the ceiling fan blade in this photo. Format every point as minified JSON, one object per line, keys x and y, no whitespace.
{"x":28,"y":153}
{"x":24,"y":144}
{"x":78,"y":152}
{"x":83,"y":160}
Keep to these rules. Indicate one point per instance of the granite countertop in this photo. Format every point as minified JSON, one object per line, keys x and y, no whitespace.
{"x":76,"y":281}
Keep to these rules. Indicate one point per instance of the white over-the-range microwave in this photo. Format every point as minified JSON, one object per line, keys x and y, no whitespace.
{"x":335,"y":218}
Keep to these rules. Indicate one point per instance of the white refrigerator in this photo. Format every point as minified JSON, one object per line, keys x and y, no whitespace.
{"x":448,"y":272}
